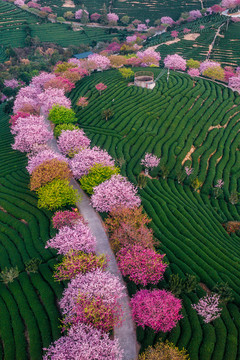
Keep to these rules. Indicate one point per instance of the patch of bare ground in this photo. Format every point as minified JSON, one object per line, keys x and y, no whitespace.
{"x":147,"y":175}
{"x":189,"y":155}
{"x":1,"y":208}
{"x":191,"y":36}
{"x":219,"y":159}
{"x":24,"y":221}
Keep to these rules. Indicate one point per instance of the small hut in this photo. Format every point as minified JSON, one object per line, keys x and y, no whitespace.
{"x":144,"y":79}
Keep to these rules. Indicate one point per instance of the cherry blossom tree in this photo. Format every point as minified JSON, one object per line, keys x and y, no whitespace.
{"x":174,"y":34}
{"x":77,"y":237}
{"x":95,"y":17}
{"x":112,"y":18}
{"x":27,"y":95}
{"x":13,"y":83}
{"x":131,"y":38}
{"x":51,"y":97}
{"x":149,"y":57}
{"x":38,"y":81}
{"x":84,"y":161}
{"x":158,"y":309}
{"x":175,"y":62}
{"x":167,"y":20}
{"x":19,"y":2}
{"x":83,"y":342}
{"x":150,"y":161}
{"x":141,"y":27}
{"x":66,"y":218}
{"x":208,"y":64}
{"x":208,"y":307}
{"x":193,"y":72}
{"x":234,"y":83}
{"x":195,"y":14}
{"x":42,"y":156}
{"x":72,"y":141}
{"x":101,"y":87}
{"x":102,"y":62}
{"x":117,"y":191}
{"x":60,"y":83}
{"x":79,"y":14}
{"x":82,"y":101}
{"x":142,"y":266}
{"x":186,"y":30}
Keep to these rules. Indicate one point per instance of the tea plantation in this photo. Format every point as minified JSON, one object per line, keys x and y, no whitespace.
{"x":169,"y":121}
{"x":29,"y":315}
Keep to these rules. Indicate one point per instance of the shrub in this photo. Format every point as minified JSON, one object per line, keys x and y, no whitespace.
{"x":48,"y":171}
{"x":8,"y":275}
{"x":87,"y":343}
{"x":127,"y":226}
{"x":142,"y":181}
{"x":32,"y":265}
{"x":70,"y":142}
{"x":61,"y":115}
{"x":107,"y":113}
{"x":87,"y":158}
{"x":56,"y":195}
{"x":97,"y":174}
{"x":216,"y":73}
{"x":150,"y":161}
{"x":164,"y":351}
{"x":126,"y":72}
{"x":117,"y":191}
{"x":142,"y":266}
{"x":74,"y":263}
{"x":224,"y":291}
{"x":65,"y":218}
{"x":193,"y":64}
{"x":158,"y":309}
{"x":63,"y":127}
{"x":75,"y":238}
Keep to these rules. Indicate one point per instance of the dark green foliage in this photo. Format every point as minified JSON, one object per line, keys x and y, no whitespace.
{"x":142,"y":181}
{"x":225,"y":292}
{"x":32,"y":265}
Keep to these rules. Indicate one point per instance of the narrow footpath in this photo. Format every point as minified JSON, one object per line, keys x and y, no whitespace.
{"x":126,"y":333}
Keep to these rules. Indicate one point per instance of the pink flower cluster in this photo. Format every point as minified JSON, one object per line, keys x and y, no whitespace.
{"x":102,"y":62}
{"x":234,"y":83}
{"x":19,"y":2}
{"x":13,"y":83}
{"x":112,"y":17}
{"x":195,"y":14}
{"x":51,"y":97}
{"x":208,"y":64}
{"x":77,"y":237}
{"x":95,"y":17}
{"x":72,"y":141}
{"x":158,"y":309}
{"x":208,"y":308}
{"x":175,"y":62}
{"x":117,"y":191}
{"x":26,"y":96}
{"x":84,"y":160}
{"x":79,"y":14}
{"x":150,"y":161}
{"x":193,"y":72}
{"x":39,"y":81}
{"x":149,"y":57}
{"x":141,"y":265}
{"x":42,"y":156}
{"x":83,"y":342}
{"x":167,"y":20}
{"x":65,"y":218}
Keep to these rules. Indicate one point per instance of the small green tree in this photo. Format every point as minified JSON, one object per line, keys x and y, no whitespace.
{"x":126,"y":72}
{"x":225,"y":292}
{"x":97,"y":174}
{"x":196,"y":184}
{"x":32,"y":265}
{"x":142,"y":181}
{"x":85,"y":17}
{"x":164,"y":171}
{"x":8,"y":275}
{"x":234,"y":197}
{"x":216,"y":73}
{"x":190,"y":283}
{"x":68,"y":15}
{"x":107,"y":113}
{"x":63,"y":127}
{"x":125,"y":20}
{"x":60,"y":115}
{"x":56,"y":195}
{"x":193,"y":64}
{"x":176,"y":284}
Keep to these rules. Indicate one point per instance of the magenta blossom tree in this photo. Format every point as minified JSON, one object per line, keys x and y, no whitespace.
{"x":158,"y":309}
{"x":195,"y":14}
{"x":141,"y":265}
{"x":84,"y":160}
{"x":186,"y":30}
{"x":83,"y":342}
{"x":76,"y":237}
{"x":208,"y":64}
{"x":39,"y":81}
{"x":72,"y":141}
{"x":95,"y":17}
{"x":208,"y":307}
{"x":13,"y":83}
{"x":117,"y":191}
{"x":66,"y":218}
{"x":100,"y":87}
{"x":175,"y":62}
{"x":174,"y":34}
{"x":150,"y":161}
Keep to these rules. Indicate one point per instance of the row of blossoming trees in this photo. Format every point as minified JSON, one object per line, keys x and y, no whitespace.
{"x":90,"y":303}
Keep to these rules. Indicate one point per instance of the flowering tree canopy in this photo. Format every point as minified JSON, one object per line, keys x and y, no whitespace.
{"x":158,"y":309}
{"x":83,"y":342}
{"x":117,"y":191}
{"x":112,"y":18}
{"x":42,"y":156}
{"x":65,"y":218}
{"x":175,"y":62}
{"x":150,"y":161}
{"x":102,"y":62}
{"x":149,"y":57}
{"x":193,"y":72}
{"x":195,"y":14}
{"x":78,"y":237}
{"x":79,"y":13}
{"x":84,"y":160}
{"x":141,"y":265}
{"x":51,"y":97}
{"x":174,"y":34}
{"x":234,"y":83}
{"x":13,"y":83}
{"x":100,"y":87}
{"x":72,"y":141}
{"x":208,"y":307}
{"x":208,"y":64}
{"x":167,"y":20}
{"x":95,"y":17}
{"x":38,"y":81}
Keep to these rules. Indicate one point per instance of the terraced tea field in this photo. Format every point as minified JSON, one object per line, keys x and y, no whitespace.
{"x":29,"y":315}
{"x":169,"y":121}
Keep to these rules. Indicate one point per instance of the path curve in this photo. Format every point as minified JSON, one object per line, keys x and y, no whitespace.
{"x":126,"y":333}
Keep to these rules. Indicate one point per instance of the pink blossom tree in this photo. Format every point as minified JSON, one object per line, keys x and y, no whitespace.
{"x":51,"y":97}
{"x":167,"y":20}
{"x":13,"y":83}
{"x":141,"y":27}
{"x":208,"y":64}
{"x":95,"y":17}
{"x":66,"y":218}
{"x":193,"y":72}
{"x":150,"y":161}
{"x":19,"y":2}
{"x":195,"y":14}
{"x":186,"y":30}
{"x":83,"y":342}
{"x":101,"y":87}
{"x":174,"y":34}
{"x":134,"y":61}
{"x":117,"y":191}
{"x":77,"y":237}
{"x":112,"y":18}
{"x":38,"y":81}
{"x":102,"y":62}
{"x":82,"y":101}
{"x":27,"y":95}
{"x":131,"y":38}
{"x":228,"y":73}
{"x":59,"y":83}
{"x":158,"y":309}
{"x":79,"y":14}
{"x":149,"y":57}
{"x":141,"y":265}
{"x":72,"y":141}
{"x":84,"y":161}
{"x":234,"y":83}
{"x":42,"y":156}
{"x":14,"y":118}
{"x":175,"y":62}
{"x":208,"y":307}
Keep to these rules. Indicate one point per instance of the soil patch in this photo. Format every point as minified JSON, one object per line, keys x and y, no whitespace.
{"x":188,"y":156}
{"x":69,"y":4}
{"x":191,"y":36}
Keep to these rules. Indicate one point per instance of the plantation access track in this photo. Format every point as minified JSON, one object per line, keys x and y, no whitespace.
{"x":168,"y":121}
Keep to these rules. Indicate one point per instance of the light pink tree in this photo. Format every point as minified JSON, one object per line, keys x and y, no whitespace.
{"x":42,"y":156}
{"x":82,"y":101}
{"x":84,"y":160}
{"x":149,"y":57}
{"x":27,"y":96}
{"x":13,"y":83}
{"x":234,"y":83}
{"x":208,"y":308}
{"x":51,"y":97}
{"x":208,"y":64}
{"x":72,"y":141}
{"x":117,"y":191}
{"x":38,"y":81}
{"x":193,"y":72}
{"x":195,"y":14}
{"x":83,"y":342}
{"x":79,"y":14}
{"x":167,"y":20}
{"x":186,"y":30}
{"x":112,"y":18}
{"x":77,"y":237}
{"x":175,"y":62}
{"x":102,"y":62}
{"x":101,"y":87}
{"x":150,"y":161}
{"x":141,"y":27}
{"x":158,"y":309}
